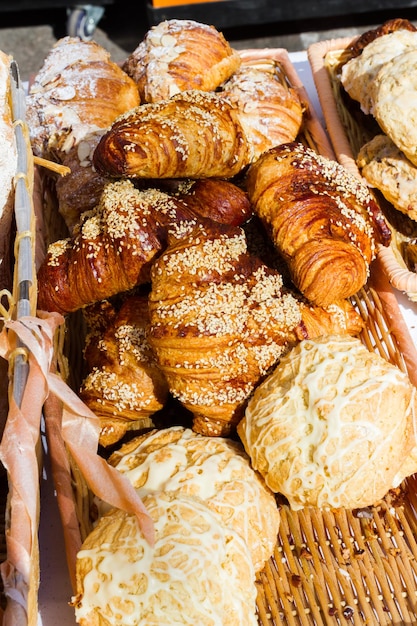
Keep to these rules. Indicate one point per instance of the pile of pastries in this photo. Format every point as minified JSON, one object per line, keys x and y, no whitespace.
{"x":379,"y":75}
{"x":212,"y":254}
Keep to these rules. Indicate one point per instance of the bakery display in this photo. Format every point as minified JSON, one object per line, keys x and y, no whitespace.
{"x":320,"y":428}
{"x":214,"y":470}
{"x":177,"y":55}
{"x":188,"y":319}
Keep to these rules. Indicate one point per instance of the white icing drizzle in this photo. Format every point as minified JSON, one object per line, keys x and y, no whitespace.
{"x":212,"y":469}
{"x":186,"y":578}
{"x":332,"y":425}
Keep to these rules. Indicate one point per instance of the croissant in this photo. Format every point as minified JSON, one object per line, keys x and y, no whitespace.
{"x":178,"y":55}
{"x":194,"y":134}
{"x":123,"y":386}
{"x":219,"y":320}
{"x":322,"y":220}
{"x":78,"y":89}
{"x":113,"y":246}
{"x":270,"y":110}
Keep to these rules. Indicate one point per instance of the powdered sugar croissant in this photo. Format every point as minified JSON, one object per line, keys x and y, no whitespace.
{"x":178,"y":55}
{"x":322,"y":219}
{"x":270,"y":110}
{"x":219,"y":319}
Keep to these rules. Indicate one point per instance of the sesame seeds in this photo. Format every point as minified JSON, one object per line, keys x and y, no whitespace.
{"x":233,"y":327}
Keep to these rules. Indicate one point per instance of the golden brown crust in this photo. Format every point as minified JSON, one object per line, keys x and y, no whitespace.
{"x":123,"y":386}
{"x":77,"y":90}
{"x":321,"y":219}
{"x":270,"y":111}
{"x":109,"y":253}
{"x":192,"y":135}
{"x":390,"y":26}
{"x":220,"y":319}
{"x":178,"y":55}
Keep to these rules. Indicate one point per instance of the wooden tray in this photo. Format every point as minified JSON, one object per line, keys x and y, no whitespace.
{"x":348,"y":135}
{"x":328,"y":567}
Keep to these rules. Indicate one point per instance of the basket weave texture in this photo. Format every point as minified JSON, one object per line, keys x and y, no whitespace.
{"x":329,"y":567}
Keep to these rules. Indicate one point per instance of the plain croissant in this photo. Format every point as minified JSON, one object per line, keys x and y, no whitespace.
{"x":323,"y":220}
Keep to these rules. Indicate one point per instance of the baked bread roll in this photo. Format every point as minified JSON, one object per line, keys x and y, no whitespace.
{"x":270,"y":111}
{"x":123,"y":386}
{"x":359,"y":73}
{"x":178,"y":55}
{"x":78,"y":89}
{"x":386,"y":168}
{"x":322,"y":220}
{"x":220,"y":319}
{"x":198,"y":572}
{"x":194,"y":134}
{"x":321,"y":428}
{"x":212,"y":469}
{"x":394,"y":97}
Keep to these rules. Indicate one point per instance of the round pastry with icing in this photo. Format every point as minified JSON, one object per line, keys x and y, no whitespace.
{"x":332,"y":426}
{"x":197,"y":572}
{"x":214,"y":470}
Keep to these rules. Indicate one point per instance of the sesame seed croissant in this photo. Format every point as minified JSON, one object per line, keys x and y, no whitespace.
{"x":113,"y":246}
{"x":322,"y":219}
{"x":220,"y":318}
{"x":194,"y":134}
{"x":123,"y":385}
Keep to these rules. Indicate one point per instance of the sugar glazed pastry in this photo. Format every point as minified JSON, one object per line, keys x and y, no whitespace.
{"x":321,"y":428}
{"x":198,"y":571}
{"x":220,"y":319}
{"x":178,"y":55}
{"x":322,"y":220}
{"x":214,"y":470}
{"x":359,"y":73}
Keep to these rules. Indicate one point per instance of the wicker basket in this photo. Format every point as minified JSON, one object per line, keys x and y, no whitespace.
{"x":328,"y":567}
{"x":348,"y":135}
{"x":20,"y":448}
